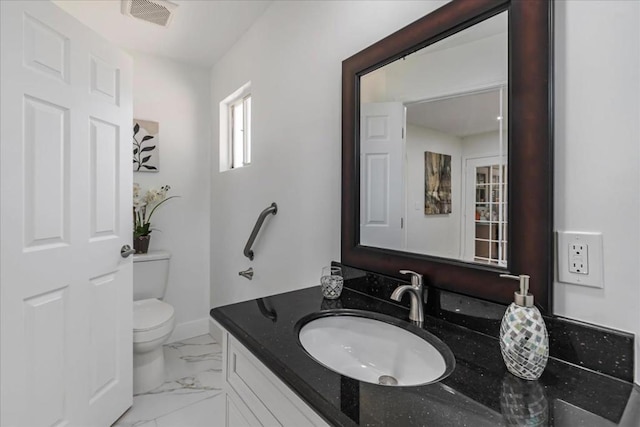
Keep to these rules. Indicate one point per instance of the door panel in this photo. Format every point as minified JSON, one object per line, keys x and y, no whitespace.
{"x":377,"y":189}
{"x":104,"y":335}
{"x":45,"y":339}
{"x":105,"y":81}
{"x":45,"y":49}
{"x":382,"y":175}
{"x":104,"y":147}
{"x":46,"y":161}
{"x":65,"y":180}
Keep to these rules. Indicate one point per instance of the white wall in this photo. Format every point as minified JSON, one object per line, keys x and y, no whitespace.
{"x":177,"y":96}
{"x":597,"y":153}
{"x":485,"y":144}
{"x":292,"y":55}
{"x":444,"y":72}
{"x":432,"y":234}
{"x":460,"y":69}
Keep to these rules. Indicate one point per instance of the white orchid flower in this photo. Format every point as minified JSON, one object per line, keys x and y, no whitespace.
{"x":152,"y":199}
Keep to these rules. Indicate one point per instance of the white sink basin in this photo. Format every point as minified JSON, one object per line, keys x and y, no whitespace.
{"x":376,"y":351}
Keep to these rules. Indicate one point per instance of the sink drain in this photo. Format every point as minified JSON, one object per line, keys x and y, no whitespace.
{"x":387,"y":380}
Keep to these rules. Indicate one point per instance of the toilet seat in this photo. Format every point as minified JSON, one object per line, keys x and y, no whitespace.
{"x":152,"y":319}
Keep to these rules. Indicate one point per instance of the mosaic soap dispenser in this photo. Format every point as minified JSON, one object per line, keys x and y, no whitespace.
{"x":523,"y":335}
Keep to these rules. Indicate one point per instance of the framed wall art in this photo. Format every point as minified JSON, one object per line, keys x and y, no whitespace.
{"x":146,"y":144}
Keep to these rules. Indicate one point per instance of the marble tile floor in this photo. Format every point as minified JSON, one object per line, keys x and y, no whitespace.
{"x":192,"y":394}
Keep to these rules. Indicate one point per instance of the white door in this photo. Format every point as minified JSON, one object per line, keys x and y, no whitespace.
{"x":382,"y":175}
{"x":65,"y":157}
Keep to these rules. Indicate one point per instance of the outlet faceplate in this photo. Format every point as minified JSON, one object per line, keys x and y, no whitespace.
{"x":580,"y":258}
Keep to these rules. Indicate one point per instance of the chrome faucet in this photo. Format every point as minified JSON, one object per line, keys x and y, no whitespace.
{"x":416,"y":314}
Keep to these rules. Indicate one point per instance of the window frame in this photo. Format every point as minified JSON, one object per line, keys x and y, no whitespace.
{"x":228,"y":138}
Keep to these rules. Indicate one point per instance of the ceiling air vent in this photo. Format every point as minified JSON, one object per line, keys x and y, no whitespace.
{"x":157,"y":12}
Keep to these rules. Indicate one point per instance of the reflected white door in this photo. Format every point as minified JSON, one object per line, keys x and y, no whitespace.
{"x":382,"y":174}
{"x":65,"y":154}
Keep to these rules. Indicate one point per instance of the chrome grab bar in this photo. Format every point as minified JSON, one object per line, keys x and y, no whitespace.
{"x":266,"y":312}
{"x":273,"y":209}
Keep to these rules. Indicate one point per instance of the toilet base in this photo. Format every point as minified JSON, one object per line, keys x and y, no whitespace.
{"x":148,"y":370}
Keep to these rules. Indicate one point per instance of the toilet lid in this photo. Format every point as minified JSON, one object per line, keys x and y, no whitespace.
{"x":150,"y":313}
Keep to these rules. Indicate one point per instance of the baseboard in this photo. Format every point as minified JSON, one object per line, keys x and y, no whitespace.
{"x":191,"y":329}
{"x":215,"y":331}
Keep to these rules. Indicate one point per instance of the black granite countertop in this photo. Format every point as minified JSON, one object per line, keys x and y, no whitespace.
{"x":479,"y":392}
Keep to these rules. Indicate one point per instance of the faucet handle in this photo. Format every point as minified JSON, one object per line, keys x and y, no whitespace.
{"x":416,"y":278}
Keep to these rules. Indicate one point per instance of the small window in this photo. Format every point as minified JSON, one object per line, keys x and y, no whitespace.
{"x":235,"y":129}
{"x":240,"y":140}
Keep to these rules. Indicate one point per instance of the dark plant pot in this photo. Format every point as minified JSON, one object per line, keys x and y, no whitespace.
{"x":141,"y":244}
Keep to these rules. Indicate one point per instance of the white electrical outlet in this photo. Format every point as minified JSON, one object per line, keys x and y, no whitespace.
{"x":580,"y":258}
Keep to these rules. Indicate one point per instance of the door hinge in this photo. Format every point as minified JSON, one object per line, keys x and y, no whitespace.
{"x":401,"y":223}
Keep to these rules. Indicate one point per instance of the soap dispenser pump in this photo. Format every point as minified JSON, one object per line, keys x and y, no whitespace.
{"x":523,"y":335}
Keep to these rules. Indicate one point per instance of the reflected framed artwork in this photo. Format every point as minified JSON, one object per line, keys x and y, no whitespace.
{"x":437,"y":183}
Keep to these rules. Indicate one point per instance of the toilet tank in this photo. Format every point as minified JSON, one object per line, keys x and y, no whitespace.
{"x":150,"y":274}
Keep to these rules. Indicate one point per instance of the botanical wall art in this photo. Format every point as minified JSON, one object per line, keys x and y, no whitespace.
{"x":146,"y":149}
{"x":437,"y":183}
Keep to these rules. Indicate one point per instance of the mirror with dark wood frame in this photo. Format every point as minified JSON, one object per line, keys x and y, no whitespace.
{"x":530,"y":148}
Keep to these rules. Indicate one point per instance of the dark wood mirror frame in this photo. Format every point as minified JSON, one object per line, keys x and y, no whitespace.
{"x":530,"y":127}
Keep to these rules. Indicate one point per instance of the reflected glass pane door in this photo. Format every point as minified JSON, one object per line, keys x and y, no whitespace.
{"x":490,"y":239}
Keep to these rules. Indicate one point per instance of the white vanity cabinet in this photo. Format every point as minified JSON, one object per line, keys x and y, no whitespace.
{"x":255,"y":396}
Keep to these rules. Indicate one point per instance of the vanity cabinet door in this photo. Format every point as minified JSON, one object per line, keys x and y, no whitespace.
{"x":261,"y":393}
{"x":238,"y":414}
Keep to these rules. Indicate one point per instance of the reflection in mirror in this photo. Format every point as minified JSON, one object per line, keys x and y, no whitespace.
{"x":433,"y":148}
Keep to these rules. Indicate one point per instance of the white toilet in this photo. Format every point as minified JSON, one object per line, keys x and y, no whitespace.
{"x":153,"y":319}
